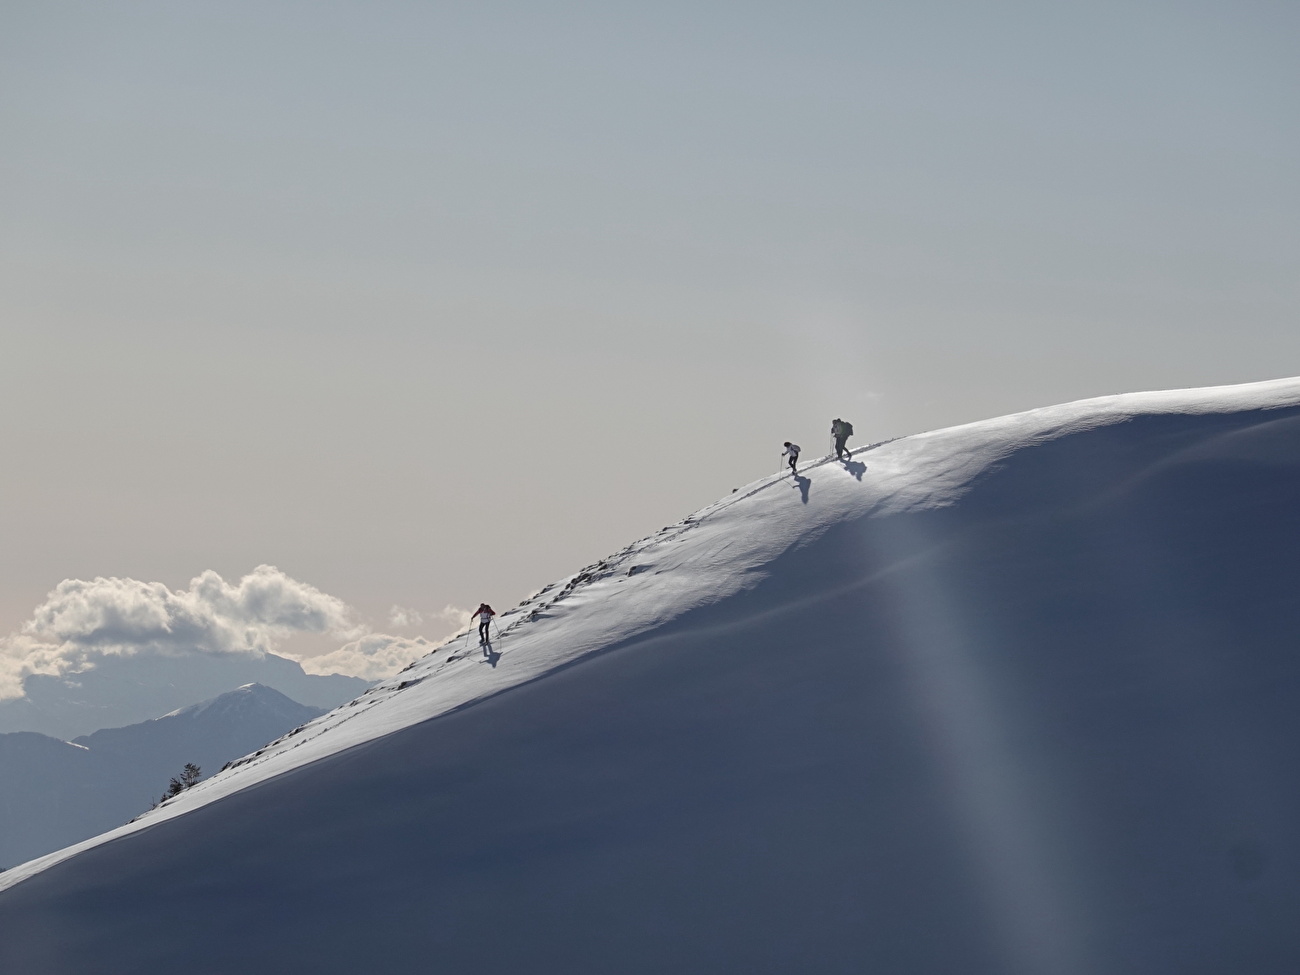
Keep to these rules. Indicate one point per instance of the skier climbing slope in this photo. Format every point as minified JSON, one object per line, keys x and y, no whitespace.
{"x":484,"y":615}
{"x":841,"y":430}
{"x":792,"y":451}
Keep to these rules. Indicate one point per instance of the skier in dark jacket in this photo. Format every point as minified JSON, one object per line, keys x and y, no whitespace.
{"x":841,"y":430}
{"x":484,"y":615}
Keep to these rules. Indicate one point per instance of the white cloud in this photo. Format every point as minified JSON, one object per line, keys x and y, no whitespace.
{"x":378,"y":655}
{"x":20,"y":656}
{"x":402,"y":617}
{"x":373,"y":656}
{"x":82,"y":621}
{"x":452,"y":616}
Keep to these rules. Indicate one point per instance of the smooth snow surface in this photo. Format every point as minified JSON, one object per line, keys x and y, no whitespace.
{"x":1014,"y":697}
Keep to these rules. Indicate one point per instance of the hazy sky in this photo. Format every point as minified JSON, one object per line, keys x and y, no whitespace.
{"x":431,"y":303}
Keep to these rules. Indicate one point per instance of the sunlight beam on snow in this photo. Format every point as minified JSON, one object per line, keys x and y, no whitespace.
{"x":1010,"y":844}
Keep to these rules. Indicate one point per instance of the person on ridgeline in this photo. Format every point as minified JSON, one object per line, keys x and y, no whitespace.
{"x":484,"y":615}
{"x":841,"y":430}
{"x":792,"y":451}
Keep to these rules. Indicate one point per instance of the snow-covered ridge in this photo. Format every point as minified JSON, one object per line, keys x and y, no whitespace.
{"x":718,"y":552}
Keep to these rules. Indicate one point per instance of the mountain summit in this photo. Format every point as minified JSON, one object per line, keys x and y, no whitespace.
{"x":1019,"y":696}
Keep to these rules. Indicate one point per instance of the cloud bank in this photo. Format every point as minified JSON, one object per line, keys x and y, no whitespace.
{"x":452,"y":616}
{"x":82,"y":622}
{"x":373,"y":656}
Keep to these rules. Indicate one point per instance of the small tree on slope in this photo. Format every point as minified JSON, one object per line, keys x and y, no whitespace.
{"x":188,"y":777}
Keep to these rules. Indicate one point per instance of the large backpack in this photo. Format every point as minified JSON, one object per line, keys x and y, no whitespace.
{"x":845,"y":429}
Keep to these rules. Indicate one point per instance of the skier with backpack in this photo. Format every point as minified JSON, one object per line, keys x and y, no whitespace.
{"x":792,"y":451}
{"x":841,"y":430}
{"x":484,"y":615}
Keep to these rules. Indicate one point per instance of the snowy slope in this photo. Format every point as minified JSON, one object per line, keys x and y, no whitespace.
{"x":53,"y":793}
{"x":1017,"y":696}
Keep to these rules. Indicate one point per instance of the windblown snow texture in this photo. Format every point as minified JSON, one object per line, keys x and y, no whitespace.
{"x":1015,"y":697}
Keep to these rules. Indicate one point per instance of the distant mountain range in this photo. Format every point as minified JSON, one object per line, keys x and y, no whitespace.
{"x":54,"y":793}
{"x":124,"y":690}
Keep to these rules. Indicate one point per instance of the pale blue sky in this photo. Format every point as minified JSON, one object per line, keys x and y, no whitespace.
{"x":433,"y":303}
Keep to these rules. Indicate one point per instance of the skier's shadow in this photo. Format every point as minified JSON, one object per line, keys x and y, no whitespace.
{"x":856,"y":468}
{"x":803,"y":484}
{"x":490,"y":655}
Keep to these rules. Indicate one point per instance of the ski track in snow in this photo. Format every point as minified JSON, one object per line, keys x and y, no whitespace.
{"x":710,"y":555}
